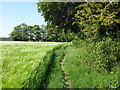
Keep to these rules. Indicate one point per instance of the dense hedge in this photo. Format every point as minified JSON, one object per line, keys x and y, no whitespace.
{"x":104,"y":53}
{"x":88,"y":75}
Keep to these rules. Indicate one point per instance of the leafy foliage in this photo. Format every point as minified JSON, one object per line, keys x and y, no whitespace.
{"x":98,"y":19}
{"x":104,"y":54}
{"x":24,"y":32}
{"x":54,"y":33}
{"x":67,"y":20}
{"x":60,"y":15}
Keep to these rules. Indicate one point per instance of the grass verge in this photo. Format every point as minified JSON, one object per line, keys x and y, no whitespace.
{"x":56,"y":76}
{"x":87,"y":76}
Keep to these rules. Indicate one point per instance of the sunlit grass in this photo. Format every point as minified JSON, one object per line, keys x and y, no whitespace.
{"x":0,"y":67}
{"x":20,"y":60}
{"x":56,"y":78}
{"x":84,"y":76}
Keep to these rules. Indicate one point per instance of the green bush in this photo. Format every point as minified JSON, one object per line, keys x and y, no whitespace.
{"x":78,"y":42}
{"x":82,"y":75}
{"x":109,"y":53}
{"x":94,"y":64}
{"x":104,"y":54}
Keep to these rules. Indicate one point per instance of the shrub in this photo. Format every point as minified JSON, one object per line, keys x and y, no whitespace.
{"x":104,"y":54}
{"x":109,"y":53}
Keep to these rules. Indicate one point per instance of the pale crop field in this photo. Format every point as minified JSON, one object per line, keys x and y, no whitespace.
{"x":0,"y":66}
{"x":20,"y":59}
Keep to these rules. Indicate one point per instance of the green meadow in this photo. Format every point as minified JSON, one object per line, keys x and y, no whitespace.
{"x":78,"y":45}
{"x":38,"y":65}
{"x":20,"y":60}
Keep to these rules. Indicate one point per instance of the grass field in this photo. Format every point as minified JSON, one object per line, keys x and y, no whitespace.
{"x":38,"y":65}
{"x":0,"y":67}
{"x":20,"y":60}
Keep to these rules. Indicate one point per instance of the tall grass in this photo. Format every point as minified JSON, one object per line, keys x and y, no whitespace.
{"x":84,"y":73}
{"x":37,"y":65}
{"x":20,"y":61}
{"x":0,"y":67}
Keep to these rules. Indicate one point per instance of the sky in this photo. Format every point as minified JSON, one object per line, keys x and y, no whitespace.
{"x":15,"y":13}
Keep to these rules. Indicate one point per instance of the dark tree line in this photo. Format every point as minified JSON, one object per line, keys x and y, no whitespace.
{"x":67,"y":21}
{"x":82,"y":19}
{"x":24,"y":32}
{"x":96,"y":23}
{"x":4,"y":39}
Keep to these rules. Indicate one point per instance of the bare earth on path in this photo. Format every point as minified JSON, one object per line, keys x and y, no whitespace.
{"x":65,"y":74}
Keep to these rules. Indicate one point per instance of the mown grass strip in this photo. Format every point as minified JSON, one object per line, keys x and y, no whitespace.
{"x":49,"y":67}
{"x":56,"y":79}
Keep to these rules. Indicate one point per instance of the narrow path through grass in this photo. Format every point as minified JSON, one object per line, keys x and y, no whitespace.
{"x":53,"y":77}
{"x":65,"y":75}
{"x":58,"y":77}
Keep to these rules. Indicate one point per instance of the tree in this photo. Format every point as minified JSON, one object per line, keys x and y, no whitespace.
{"x":23,"y":32}
{"x":98,"y":19}
{"x":54,"y":33}
{"x":60,"y":15}
{"x":30,"y":33}
{"x":37,"y":32}
{"x":43,"y":33}
{"x":20,"y":33}
{"x":84,"y":19}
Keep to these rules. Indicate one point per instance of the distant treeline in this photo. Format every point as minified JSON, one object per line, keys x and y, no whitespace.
{"x":23,"y":32}
{"x":67,"y":21}
{"x":4,"y":39}
{"x":83,"y":20}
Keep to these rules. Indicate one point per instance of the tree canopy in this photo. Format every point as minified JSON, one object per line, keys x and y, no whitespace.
{"x":101,"y":19}
{"x":83,"y":19}
{"x":23,"y":32}
{"x":67,"y":21}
